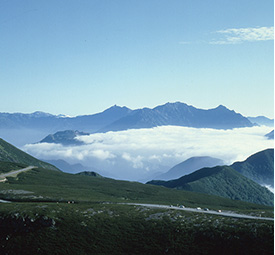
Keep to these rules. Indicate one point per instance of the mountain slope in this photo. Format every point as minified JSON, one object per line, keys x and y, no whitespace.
{"x":9,"y":153}
{"x":188,"y":166}
{"x":180,"y":114}
{"x":221,"y":181}
{"x":259,"y":167}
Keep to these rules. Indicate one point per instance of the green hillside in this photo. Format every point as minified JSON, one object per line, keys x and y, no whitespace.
{"x":221,"y":181}
{"x":259,"y":167}
{"x":10,"y":153}
{"x":47,"y":185}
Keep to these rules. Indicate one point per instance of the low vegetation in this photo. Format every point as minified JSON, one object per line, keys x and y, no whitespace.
{"x":92,"y":228}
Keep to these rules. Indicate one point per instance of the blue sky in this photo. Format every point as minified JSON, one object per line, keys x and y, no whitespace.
{"x":81,"y":57}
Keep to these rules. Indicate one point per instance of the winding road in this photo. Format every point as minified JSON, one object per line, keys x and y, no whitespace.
{"x":15,"y":172}
{"x":227,"y":214}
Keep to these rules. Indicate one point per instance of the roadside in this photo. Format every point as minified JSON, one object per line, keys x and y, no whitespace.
{"x":199,"y":210}
{"x":15,"y":173}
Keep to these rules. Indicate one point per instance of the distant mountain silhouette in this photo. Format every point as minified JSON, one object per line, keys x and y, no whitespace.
{"x":66,"y":137}
{"x":188,"y":166}
{"x":66,"y":167}
{"x":54,"y":123}
{"x":221,"y":181}
{"x":270,"y":135}
{"x":259,"y":167}
{"x":180,"y":114}
{"x":20,"y":128}
{"x":73,"y":168}
{"x":261,"y":121}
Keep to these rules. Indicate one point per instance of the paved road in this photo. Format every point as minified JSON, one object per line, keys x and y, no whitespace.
{"x":228,"y":214}
{"x":15,"y":172}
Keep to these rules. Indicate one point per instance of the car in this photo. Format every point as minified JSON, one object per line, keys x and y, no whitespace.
{"x":181,"y":206}
{"x":198,"y":208}
{"x":206,"y":209}
{"x":219,"y":210}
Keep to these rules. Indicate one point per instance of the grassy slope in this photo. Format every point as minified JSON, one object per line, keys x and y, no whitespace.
{"x":10,"y":153}
{"x":9,"y":166}
{"x":222,"y":181}
{"x":50,"y":185}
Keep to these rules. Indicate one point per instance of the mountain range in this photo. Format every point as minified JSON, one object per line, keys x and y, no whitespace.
{"x":39,"y":124}
{"x":180,"y":114}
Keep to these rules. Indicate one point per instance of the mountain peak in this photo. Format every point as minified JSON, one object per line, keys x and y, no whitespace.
{"x":117,"y":108}
{"x":221,"y":107}
{"x":39,"y":114}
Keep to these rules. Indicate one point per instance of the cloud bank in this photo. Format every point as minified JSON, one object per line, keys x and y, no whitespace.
{"x":140,"y":153}
{"x":240,"y":35}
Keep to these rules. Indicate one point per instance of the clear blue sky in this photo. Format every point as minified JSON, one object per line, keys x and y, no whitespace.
{"x":82,"y":56}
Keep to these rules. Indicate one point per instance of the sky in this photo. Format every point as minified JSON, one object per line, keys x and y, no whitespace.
{"x":81,"y":57}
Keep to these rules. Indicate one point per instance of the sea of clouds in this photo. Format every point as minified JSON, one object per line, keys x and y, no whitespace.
{"x":141,"y":154}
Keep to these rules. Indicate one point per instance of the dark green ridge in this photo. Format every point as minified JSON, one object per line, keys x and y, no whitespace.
{"x":10,"y":153}
{"x":221,"y":181}
{"x":259,"y":167}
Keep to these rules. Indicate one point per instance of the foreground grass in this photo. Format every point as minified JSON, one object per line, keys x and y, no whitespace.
{"x":92,"y":228}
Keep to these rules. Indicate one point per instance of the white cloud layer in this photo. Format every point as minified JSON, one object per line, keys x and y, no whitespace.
{"x":240,"y":35}
{"x":139,"y":153}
